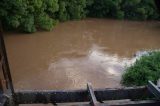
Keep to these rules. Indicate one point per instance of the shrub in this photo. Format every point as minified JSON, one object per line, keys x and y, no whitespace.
{"x":144,"y":69}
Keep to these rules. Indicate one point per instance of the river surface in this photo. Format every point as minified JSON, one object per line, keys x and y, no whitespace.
{"x":78,"y":52}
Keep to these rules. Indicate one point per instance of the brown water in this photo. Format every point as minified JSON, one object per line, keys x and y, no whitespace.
{"x":77,"y":52}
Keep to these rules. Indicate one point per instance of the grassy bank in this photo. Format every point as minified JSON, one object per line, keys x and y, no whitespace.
{"x":144,"y":69}
{"x":30,"y":15}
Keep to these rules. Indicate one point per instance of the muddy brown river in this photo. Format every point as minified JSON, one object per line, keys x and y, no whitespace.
{"x":77,"y":52}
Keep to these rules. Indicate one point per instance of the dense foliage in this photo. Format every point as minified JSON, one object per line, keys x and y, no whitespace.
{"x":30,"y":15}
{"x":106,"y":8}
{"x":144,"y":69}
{"x":140,"y":9}
{"x":71,"y":9}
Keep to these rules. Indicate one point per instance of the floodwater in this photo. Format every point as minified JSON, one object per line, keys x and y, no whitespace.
{"x":78,"y":52}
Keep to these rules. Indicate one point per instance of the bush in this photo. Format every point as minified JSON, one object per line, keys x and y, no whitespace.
{"x":144,"y":69}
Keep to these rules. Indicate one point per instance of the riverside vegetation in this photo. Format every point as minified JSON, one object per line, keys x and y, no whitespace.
{"x":30,"y":15}
{"x":144,"y":69}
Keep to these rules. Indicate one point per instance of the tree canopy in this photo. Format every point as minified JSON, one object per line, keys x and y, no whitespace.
{"x":30,"y":15}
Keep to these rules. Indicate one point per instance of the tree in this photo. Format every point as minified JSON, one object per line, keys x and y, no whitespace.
{"x":28,"y":15}
{"x":71,"y":9}
{"x":31,"y":15}
{"x":139,"y":9}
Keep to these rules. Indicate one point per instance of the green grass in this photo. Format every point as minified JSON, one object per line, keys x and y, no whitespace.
{"x":144,"y":69}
